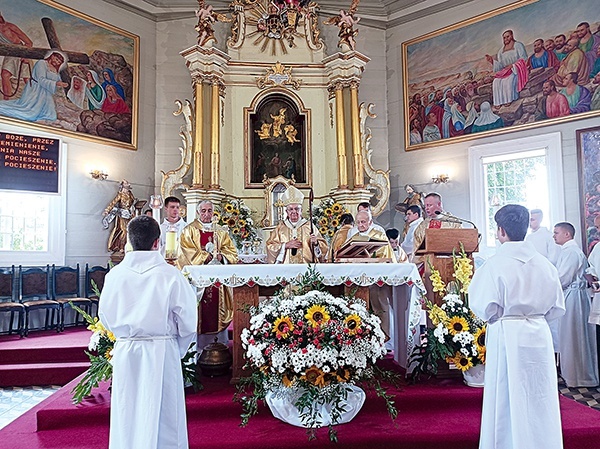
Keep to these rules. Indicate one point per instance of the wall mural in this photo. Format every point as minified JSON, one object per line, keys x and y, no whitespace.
{"x":532,"y":63}
{"x":588,"y":156}
{"x":68,"y":73}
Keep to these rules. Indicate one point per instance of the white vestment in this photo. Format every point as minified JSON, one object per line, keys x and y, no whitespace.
{"x":594,"y":270}
{"x":151,"y":308}
{"x":409,"y":240}
{"x":544,"y":243}
{"x":518,"y":291}
{"x":504,"y":90}
{"x":164,"y":227}
{"x":577,"y":338}
{"x":37,"y":100}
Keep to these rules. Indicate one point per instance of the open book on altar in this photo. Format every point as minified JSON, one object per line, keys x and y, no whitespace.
{"x":361,"y":249}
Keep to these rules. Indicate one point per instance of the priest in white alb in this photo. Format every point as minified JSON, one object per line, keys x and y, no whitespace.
{"x":517,"y":291}
{"x":294,"y":240}
{"x":151,"y":309}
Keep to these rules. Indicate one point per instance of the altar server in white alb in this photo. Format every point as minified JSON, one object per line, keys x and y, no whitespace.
{"x":151,"y":309}
{"x":517,"y":291}
{"x":578,"y":356}
{"x":541,"y":237}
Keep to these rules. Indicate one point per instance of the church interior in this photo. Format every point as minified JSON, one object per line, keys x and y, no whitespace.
{"x":237,"y":101}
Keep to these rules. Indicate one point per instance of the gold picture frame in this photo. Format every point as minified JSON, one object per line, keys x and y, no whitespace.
{"x":91,"y":93}
{"x":277,"y":139}
{"x":450,"y":73}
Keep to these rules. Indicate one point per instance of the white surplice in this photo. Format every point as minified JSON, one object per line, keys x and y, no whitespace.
{"x":577,"y":338}
{"x":544,"y":243}
{"x":517,"y":291}
{"x":594,"y":270}
{"x":151,"y":308}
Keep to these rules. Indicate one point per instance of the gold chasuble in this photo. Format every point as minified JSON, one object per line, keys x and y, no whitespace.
{"x":215,"y":310}
{"x":287,"y":231}
{"x":338,"y":239}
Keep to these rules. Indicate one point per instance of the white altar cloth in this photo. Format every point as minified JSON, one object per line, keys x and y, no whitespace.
{"x":406,"y":300}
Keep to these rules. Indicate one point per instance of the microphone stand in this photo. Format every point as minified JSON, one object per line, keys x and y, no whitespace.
{"x":453,"y":219}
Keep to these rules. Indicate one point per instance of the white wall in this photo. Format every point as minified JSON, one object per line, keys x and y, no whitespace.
{"x":416,"y":166}
{"x":87,"y":198}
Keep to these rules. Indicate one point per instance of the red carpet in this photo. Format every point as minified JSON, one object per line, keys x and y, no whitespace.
{"x":436,"y":414}
{"x":43,"y":358}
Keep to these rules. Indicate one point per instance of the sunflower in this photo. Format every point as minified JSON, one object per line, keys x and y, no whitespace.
{"x":317,"y":315}
{"x":235,"y":212}
{"x":313,"y":375}
{"x":288,"y":380}
{"x":336,"y":208}
{"x":328,"y":211}
{"x":335,"y":222}
{"x":107,"y":354}
{"x":330,"y":233}
{"x":481,"y":356}
{"x":283,"y":326}
{"x":458,"y":324}
{"x":460,"y":361}
{"x":216,"y":215}
{"x":231,"y":222}
{"x":352,"y":323}
{"x":342,"y":374}
{"x":242,"y":222}
{"x":323,"y":221}
{"x":228,"y":208}
{"x":323,"y":230}
{"x":235,"y":231}
{"x":480,"y":340}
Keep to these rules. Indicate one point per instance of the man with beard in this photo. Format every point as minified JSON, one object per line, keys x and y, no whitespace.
{"x":552,"y":104}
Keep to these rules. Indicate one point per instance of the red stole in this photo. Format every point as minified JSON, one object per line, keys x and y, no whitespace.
{"x":209,"y":306}
{"x":435,"y":224}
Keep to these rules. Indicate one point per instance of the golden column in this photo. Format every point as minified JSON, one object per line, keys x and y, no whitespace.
{"x":359,"y":176}
{"x":340,"y":131}
{"x":198,"y":132}
{"x":215,"y":137}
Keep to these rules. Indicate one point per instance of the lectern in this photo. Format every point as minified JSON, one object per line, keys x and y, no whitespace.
{"x":439,"y":244}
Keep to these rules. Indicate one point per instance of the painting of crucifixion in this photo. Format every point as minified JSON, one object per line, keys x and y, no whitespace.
{"x":67,"y":73}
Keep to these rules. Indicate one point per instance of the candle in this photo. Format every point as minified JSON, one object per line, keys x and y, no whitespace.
{"x":170,"y":243}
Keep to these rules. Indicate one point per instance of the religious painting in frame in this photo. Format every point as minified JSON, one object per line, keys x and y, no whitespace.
{"x":277,"y":130}
{"x":532,"y":63}
{"x":588,"y":159}
{"x":68,"y":73}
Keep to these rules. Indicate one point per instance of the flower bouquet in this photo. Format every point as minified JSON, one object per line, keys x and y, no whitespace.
{"x":458,"y":336}
{"x":237,"y":217}
{"x":326,"y":216}
{"x":315,"y":349}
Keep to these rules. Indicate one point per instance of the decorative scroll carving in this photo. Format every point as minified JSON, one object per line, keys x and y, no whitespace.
{"x":173,"y":179}
{"x":380,"y":180}
{"x":311,"y":27}
{"x":278,"y":75}
{"x":238,"y":27}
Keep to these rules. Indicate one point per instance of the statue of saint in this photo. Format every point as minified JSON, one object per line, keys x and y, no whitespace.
{"x":120,"y":210}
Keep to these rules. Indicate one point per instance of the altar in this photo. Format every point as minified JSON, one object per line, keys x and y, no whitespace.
{"x":246,"y":280}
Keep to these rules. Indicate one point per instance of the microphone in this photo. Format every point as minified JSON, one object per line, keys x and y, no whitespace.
{"x":294,"y":251}
{"x":453,"y":219}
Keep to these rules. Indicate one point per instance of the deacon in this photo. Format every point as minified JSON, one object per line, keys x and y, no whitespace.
{"x":203,"y":243}
{"x":576,"y":337}
{"x":541,"y":237}
{"x":517,"y":291}
{"x":293,"y":240}
{"x":151,"y":309}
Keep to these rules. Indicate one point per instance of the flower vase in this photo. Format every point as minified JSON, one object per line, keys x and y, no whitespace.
{"x":474,"y":377}
{"x":282,"y":402}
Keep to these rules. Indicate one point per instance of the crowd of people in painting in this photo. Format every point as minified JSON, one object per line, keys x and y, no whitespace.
{"x":561,"y":74}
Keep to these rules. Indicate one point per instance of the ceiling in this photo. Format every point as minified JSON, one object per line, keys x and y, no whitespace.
{"x":378,"y":13}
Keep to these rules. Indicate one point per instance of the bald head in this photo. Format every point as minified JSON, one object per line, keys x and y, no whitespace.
{"x":363,"y":220}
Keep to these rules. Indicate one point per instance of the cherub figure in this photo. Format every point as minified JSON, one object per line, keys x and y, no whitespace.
{"x":346,"y":21}
{"x":290,"y":133}
{"x":265,"y":131}
{"x":206,"y":18}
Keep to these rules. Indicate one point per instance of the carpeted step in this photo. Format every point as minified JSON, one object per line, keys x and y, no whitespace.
{"x":17,"y":356}
{"x":22,"y":375}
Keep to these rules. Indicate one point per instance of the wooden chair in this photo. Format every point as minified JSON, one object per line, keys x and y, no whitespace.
{"x":96,"y":274}
{"x":66,"y":290}
{"x":34,"y":294}
{"x":9,"y":302}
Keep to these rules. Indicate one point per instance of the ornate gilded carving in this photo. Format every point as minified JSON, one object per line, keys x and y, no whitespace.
{"x":379,"y":179}
{"x":173,"y":179}
{"x":346,"y":21}
{"x":278,"y":75}
{"x":311,"y":27}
